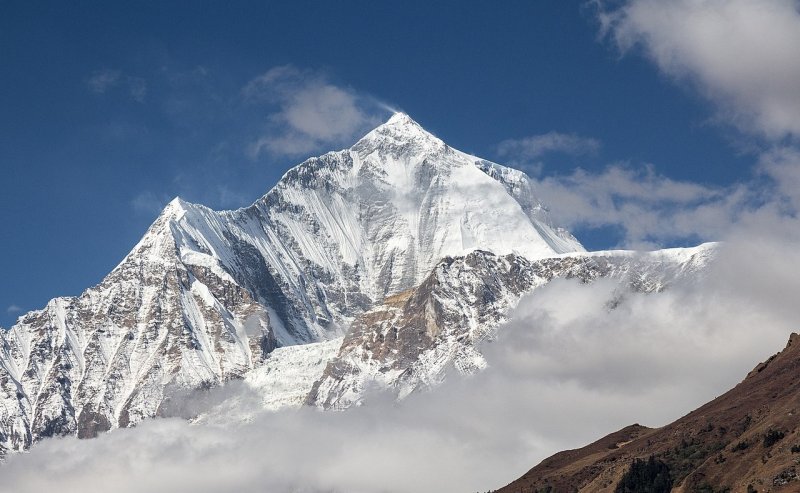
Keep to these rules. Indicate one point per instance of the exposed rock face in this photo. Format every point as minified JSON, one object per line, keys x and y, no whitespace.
{"x":84,"y":365}
{"x":745,"y":440}
{"x":205,"y":296}
{"x":409,"y":340}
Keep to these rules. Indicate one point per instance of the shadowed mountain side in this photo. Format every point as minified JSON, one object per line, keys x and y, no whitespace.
{"x":744,"y":440}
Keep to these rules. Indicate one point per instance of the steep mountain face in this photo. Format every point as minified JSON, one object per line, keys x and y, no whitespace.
{"x":101,"y":360}
{"x":745,"y":440}
{"x":206,"y":296}
{"x":411,"y":339}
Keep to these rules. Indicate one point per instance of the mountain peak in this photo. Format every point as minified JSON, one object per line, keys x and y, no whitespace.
{"x":399,"y":134}
{"x":176,"y":208}
{"x":400,"y":117}
{"x":176,"y":203}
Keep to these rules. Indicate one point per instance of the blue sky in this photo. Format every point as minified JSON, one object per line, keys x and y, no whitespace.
{"x":109,"y":111}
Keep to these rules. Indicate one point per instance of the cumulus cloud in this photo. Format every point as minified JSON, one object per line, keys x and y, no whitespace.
{"x":552,"y":142}
{"x":309,"y":112}
{"x":652,"y":210}
{"x":741,"y":54}
{"x":648,"y":208}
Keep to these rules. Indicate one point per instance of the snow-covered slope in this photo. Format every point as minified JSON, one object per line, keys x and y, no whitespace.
{"x":283,"y":381}
{"x":206,"y":296}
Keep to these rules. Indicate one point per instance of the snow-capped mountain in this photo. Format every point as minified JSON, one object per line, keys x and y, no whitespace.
{"x":402,"y":247}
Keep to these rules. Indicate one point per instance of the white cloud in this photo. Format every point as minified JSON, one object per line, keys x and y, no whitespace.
{"x":12,"y":309}
{"x":740,"y":54}
{"x":782,"y":166}
{"x":309,"y":111}
{"x":649,"y":209}
{"x":552,"y":142}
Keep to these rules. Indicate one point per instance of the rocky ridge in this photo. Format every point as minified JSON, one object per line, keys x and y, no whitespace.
{"x":410,"y":340}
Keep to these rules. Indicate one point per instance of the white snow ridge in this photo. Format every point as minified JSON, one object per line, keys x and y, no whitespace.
{"x":382,"y":264}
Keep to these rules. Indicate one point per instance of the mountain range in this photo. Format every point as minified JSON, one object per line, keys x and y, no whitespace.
{"x":386,"y":264}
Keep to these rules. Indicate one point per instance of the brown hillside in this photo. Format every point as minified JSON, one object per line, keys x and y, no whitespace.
{"x":742,"y":441}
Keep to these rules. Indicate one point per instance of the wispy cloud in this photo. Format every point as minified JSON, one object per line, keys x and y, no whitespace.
{"x":137,"y":88}
{"x":13,"y":309}
{"x":740,"y":54}
{"x":149,"y":202}
{"x":537,"y":146}
{"x":307,"y":111}
{"x":104,"y":80}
